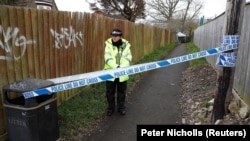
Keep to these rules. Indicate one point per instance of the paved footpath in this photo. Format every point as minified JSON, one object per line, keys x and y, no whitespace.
{"x":154,"y":101}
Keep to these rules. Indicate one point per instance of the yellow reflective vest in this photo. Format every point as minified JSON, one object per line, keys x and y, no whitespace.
{"x":117,"y":56}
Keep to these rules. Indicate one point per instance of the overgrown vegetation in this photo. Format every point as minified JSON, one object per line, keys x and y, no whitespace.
{"x":83,"y":111}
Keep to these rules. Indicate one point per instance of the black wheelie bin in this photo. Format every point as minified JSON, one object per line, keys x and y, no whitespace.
{"x":31,"y":119}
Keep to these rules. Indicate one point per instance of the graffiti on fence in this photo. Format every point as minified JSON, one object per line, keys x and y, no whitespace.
{"x":18,"y":86}
{"x":67,"y":37}
{"x":12,"y":38}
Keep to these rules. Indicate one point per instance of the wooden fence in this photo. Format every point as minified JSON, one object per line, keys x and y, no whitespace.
{"x":210,"y":35}
{"x":49,"y":44}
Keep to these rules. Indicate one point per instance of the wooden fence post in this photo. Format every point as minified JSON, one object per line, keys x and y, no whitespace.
{"x":234,"y":17}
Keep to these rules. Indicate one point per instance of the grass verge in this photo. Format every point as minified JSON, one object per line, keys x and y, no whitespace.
{"x":192,"y":48}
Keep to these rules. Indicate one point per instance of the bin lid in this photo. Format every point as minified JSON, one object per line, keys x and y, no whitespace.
{"x":28,"y":84}
{"x":180,"y":34}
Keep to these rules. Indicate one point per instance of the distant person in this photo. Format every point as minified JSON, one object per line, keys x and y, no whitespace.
{"x":117,"y":55}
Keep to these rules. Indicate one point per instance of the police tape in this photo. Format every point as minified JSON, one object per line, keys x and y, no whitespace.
{"x":227,"y":59}
{"x":229,"y":42}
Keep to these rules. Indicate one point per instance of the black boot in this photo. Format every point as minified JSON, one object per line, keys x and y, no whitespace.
{"x":110,"y":112}
{"x":122,"y":112}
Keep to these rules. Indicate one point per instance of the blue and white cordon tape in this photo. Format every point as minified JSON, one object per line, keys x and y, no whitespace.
{"x":227,"y":59}
{"x":75,"y":81}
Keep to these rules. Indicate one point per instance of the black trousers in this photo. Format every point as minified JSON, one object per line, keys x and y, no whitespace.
{"x":111,"y":89}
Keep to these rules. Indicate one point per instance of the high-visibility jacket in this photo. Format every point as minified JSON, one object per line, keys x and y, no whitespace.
{"x":117,"y":56}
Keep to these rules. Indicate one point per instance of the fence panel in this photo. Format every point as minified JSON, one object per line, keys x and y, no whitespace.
{"x":242,"y":75}
{"x":210,"y":35}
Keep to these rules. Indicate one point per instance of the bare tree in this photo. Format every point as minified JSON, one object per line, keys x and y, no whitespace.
{"x":162,"y":11}
{"x":191,"y":12}
{"x":189,"y":27}
{"x":125,"y":9}
{"x":174,"y":13}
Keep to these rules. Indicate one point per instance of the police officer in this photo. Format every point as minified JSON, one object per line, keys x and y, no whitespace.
{"x":117,"y":54}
